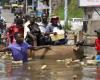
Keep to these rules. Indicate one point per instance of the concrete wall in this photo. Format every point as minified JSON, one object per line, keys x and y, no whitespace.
{"x":93,"y":25}
{"x":93,"y":18}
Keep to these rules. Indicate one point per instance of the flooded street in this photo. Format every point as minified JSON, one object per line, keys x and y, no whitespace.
{"x":46,"y":70}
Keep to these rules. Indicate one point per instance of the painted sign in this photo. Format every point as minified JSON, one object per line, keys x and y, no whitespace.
{"x":89,"y":3}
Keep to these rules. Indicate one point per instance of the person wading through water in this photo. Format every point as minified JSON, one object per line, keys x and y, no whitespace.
{"x":33,"y":37}
{"x":19,"y":48}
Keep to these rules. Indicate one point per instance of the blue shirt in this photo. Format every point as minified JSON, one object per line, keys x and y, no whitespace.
{"x":50,"y":28}
{"x":19,"y":52}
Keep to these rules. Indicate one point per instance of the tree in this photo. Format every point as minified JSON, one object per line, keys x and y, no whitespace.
{"x":74,"y":10}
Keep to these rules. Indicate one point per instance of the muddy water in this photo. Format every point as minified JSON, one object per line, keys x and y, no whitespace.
{"x":46,"y":70}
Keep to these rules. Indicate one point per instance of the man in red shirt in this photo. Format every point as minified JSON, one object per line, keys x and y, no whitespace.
{"x":17,"y":27}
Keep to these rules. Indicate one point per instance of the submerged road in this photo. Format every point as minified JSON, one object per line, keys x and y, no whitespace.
{"x":44,"y":69}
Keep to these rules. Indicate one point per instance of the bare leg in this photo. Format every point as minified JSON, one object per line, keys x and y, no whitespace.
{"x":34,"y":43}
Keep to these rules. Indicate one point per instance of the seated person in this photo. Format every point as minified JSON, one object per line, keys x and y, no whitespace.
{"x":43,"y":23}
{"x":56,"y":32}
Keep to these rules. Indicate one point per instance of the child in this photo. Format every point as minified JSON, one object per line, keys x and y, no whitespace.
{"x":97,"y":45}
{"x":19,"y":48}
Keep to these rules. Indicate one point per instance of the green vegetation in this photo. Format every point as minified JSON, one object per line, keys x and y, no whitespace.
{"x":60,"y":12}
{"x":73,"y":10}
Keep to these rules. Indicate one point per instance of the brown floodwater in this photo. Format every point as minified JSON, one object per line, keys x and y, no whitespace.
{"x":46,"y":70}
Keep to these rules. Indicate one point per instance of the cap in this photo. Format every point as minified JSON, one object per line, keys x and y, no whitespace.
{"x":54,"y":18}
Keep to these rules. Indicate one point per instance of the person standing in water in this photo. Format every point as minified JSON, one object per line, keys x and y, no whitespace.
{"x":19,"y":48}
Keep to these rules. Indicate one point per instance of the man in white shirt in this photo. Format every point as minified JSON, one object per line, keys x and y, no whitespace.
{"x":26,"y":23}
{"x":26,"y":29}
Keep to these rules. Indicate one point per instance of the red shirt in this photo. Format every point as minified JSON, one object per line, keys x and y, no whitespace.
{"x":97,"y":42}
{"x":12,"y":30}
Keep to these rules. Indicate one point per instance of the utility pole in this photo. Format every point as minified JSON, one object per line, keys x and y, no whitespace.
{"x":32,"y":4}
{"x":65,"y":12}
{"x":26,"y":6}
{"x":50,"y":9}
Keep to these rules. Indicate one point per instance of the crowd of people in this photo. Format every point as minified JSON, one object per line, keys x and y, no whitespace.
{"x":36,"y":30}
{"x":28,"y":30}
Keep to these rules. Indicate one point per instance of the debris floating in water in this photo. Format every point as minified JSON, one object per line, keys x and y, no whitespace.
{"x":75,"y":77}
{"x":43,"y":67}
{"x":17,"y":62}
{"x":29,"y":68}
{"x":91,"y":62}
{"x":3,"y":57}
{"x":82,"y":63}
{"x":60,"y":60}
{"x":68,"y":61}
{"x":77,"y":61}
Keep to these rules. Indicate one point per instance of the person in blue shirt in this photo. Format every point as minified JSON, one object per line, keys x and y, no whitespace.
{"x":19,"y":48}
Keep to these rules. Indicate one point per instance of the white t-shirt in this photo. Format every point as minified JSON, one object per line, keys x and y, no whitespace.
{"x":26,"y":29}
{"x":41,"y":27}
